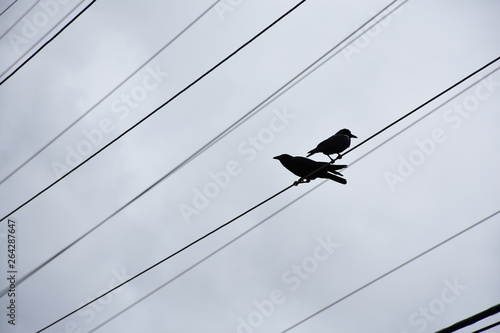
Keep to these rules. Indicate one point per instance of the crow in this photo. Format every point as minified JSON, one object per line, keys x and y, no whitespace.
{"x":304,"y":167}
{"x":335,"y":144}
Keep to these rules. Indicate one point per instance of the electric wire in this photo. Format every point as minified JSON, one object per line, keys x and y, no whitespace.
{"x":258,"y":205}
{"x":111,"y":92}
{"x":8,"y":7}
{"x":391,"y":271}
{"x":277,"y":93}
{"x":487,"y":327}
{"x":205,"y":258}
{"x":46,"y":43}
{"x":173,"y":254}
{"x":20,"y":18}
{"x":292,"y":202}
{"x":471,"y":320}
{"x":155,"y":110}
{"x":287,"y":86}
{"x":424,"y":104}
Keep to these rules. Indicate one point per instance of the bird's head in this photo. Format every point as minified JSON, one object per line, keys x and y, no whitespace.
{"x":282,"y":157}
{"x":345,"y":131}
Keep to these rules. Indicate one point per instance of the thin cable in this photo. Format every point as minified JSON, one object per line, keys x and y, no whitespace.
{"x":8,"y":7}
{"x":472,"y":319}
{"x":303,"y":179}
{"x":299,"y":77}
{"x":194,"y":242}
{"x":108,"y":94}
{"x":206,"y":258}
{"x":392,"y":271}
{"x":170,"y":256}
{"x":155,"y":110}
{"x":20,"y":18}
{"x":287,"y":86}
{"x":46,"y":43}
{"x":290,"y":203}
{"x":487,"y":327}
{"x":422,"y":105}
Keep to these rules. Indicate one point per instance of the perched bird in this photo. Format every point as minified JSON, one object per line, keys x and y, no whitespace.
{"x":335,"y":144}
{"x":304,"y":167}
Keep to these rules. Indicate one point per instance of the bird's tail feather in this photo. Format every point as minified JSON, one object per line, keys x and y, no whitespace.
{"x":336,"y":178}
{"x":311,"y":152}
{"x":333,"y":167}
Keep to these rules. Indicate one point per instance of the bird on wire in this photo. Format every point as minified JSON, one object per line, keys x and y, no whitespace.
{"x":305,"y":168}
{"x":335,"y":144}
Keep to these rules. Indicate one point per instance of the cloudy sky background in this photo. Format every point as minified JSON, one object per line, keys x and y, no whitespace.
{"x":415,"y":53}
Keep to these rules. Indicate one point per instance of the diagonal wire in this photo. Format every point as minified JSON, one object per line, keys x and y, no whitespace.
{"x":234,"y":219}
{"x":424,"y":104}
{"x":20,"y":18}
{"x":171,"y":255}
{"x":471,"y":320}
{"x":287,"y":86}
{"x":487,"y":327}
{"x":155,"y":110}
{"x":46,"y":43}
{"x":274,"y":96}
{"x":287,"y":205}
{"x":205,"y":258}
{"x":108,"y":94}
{"x":392,"y":271}
{"x":8,"y":7}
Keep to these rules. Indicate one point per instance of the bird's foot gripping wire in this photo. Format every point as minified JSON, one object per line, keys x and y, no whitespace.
{"x":339,"y":156}
{"x":300,"y":181}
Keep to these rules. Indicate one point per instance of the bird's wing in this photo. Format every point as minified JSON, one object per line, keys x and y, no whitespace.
{"x":334,"y":144}
{"x":334,"y":167}
{"x":304,"y":167}
{"x":334,"y":178}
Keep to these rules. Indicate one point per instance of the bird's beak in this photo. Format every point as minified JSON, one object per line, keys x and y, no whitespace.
{"x":275,"y":157}
{"x":353,"y":136}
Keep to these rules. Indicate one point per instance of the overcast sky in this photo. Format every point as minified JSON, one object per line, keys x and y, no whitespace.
{"x":423,"y":181}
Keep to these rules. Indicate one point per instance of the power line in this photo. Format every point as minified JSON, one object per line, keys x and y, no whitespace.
{"x":289,"y":204}
{"x":287,"y":86}
{"x":471,"y":320}
{"x":276,"y":94}
{"x":424,"y":104}
{"x":205,"y":147}
{"x":20,"y":18}
{"x":173,"y":254}
{"x":391,"y":271}
{"x":47,"y":42}
{"x":8,"y":7}
{"x":207,"y":257}
{"x":158,"y":108}
{"x":487,"y":327}
{"x":246,"y":212}
{"x":108,"y":94}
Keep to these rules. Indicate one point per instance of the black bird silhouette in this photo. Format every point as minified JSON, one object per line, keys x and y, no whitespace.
{"x":335,"y":144}
{"x":303,"y":167}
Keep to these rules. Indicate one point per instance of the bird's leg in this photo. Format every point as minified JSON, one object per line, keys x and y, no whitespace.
{"x":339,"y":156}
{"x":300,"y":181}
{"x":331,"y":159}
